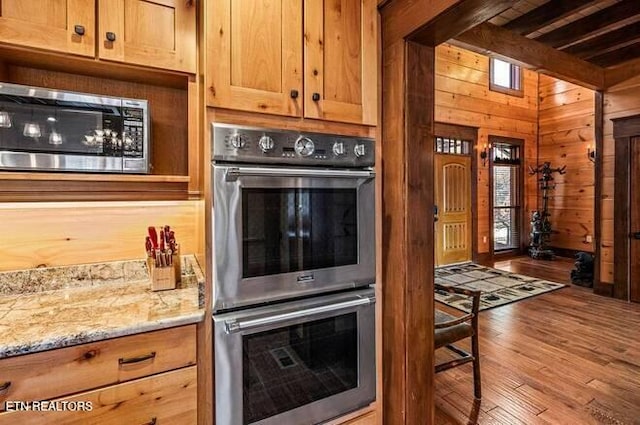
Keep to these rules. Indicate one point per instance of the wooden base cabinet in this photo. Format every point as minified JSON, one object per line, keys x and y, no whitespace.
{"x":168,"y":398}
{"x":66,"y":26}
{"x":259,"y":53}
{"x":131,"y":379}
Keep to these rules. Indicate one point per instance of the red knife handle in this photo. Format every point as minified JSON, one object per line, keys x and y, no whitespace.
{"x":153,"y":234}
{"x":167,"y":232}
{"x":148,"y":246}
{"x":161,"y":240}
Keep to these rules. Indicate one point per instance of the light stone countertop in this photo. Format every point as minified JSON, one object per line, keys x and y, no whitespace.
{"x":43,"y":309}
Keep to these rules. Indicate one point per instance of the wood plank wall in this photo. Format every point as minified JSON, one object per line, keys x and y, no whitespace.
{"x":62,"y":233}
{"x":622,"y":100}
{"x":463,"y":97}
{"x":566,"y":131}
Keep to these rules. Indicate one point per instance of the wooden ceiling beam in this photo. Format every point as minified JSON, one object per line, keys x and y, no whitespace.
{"x":456,"y":20}
{"x":621,"y":73}
{"x":591,"y":24}
{"x":497,"y":41}
{"x":606,"y":42}
{"x":614,"y":57}
{"x":545,"y":15}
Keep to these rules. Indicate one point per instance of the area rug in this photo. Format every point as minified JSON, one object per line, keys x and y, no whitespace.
{"x":498,"y":287}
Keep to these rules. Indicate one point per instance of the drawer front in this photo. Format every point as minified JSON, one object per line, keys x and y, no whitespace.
{"x":168,"y":398}
{"x":64,"y":371}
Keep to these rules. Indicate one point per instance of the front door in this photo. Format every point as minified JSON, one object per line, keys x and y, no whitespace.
{"x":634,"y":209}
{"x":453,"y":195}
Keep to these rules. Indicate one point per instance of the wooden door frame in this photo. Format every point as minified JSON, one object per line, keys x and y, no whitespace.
{"x":407,"y":126}
{"x":624,"y":130}
{"x":521,"y":197}
{"x":466,"y":133}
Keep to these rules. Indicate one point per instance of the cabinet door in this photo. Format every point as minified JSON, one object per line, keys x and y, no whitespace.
{"x":340,"y":60}
{"x":155,"y":33}
{"x":255,"y":55}
{"x":66,"y":26}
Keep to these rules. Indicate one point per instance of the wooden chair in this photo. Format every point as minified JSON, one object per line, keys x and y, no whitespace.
{"x":451,"y":329}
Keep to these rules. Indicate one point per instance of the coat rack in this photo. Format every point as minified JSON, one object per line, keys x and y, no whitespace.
{"x":540,"y":224}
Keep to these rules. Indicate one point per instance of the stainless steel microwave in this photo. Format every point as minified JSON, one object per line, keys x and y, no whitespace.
{"x":53,"y":130}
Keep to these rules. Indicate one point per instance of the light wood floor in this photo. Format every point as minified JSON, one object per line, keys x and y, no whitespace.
{"x":565,"y":357}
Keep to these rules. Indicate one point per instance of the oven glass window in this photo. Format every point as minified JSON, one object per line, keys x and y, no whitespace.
{"x":38,"y":125}
{"x":289,"y":230}
{"x":293,"y":366}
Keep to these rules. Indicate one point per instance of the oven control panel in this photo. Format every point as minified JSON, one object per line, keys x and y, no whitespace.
{"x":267,"y":146}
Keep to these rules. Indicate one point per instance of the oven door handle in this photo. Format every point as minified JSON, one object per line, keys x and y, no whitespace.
{"x":233,"y":173}
{"x":234,"y":326}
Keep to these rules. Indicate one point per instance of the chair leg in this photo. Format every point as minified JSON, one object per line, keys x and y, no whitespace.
{"x":477,"y":381}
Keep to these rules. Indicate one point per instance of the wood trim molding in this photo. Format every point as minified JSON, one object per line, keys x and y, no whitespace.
{"x":496,"y":41}
{"x":597,"y":214}
{"x":624,"y":130}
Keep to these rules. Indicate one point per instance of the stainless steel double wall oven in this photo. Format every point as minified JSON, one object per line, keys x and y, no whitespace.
{"x":294,"y":255}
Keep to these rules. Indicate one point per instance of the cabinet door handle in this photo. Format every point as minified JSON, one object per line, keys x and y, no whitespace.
{"x":5,"y":387}
{"x":315,"y":97}
{"x":111,"y":36}
{"x":79,"y":29}
{"x":152,"y":421}
{"x":138,"y":359}
{"x":294,"y":94}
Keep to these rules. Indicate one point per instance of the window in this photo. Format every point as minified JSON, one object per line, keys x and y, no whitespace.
{"x":505,"y":77}
{"x":452,"y":146}
{"x":507,"y":195}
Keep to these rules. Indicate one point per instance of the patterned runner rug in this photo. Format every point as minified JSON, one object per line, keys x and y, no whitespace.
{"x":498,"y":287}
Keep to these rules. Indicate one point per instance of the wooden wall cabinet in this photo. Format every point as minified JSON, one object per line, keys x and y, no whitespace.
{"x":340,"y":60}
{"x":66,"y":26}
{"x":257,"y":55}
{"x":156,"y":33}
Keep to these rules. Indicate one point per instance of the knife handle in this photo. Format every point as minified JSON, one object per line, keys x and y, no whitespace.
{"x":161,"y":240}
{"x":153,"y":234}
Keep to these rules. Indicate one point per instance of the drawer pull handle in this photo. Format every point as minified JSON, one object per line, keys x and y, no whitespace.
{"x":152,"y":421}
{"x":111,"y":36}
{"x":5,"y":387}
{"x":138,"y":359}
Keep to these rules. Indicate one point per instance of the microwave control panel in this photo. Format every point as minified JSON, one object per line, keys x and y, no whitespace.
{"x":133,"y":133}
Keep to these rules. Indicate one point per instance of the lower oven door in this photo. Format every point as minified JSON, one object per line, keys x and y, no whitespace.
{"x":285,"y":232}
{"x":301,"y":362}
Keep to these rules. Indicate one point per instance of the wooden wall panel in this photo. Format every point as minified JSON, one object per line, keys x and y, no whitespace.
{"x":63,"y":233}
{"x":622,"y":100}
{"x":463,"y":97}
{"x":566,"y":126}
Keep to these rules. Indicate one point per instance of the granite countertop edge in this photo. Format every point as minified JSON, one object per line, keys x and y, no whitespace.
{"x":100,"y":335}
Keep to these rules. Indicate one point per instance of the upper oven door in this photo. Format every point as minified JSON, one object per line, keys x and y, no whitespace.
{"x":286,"y":232}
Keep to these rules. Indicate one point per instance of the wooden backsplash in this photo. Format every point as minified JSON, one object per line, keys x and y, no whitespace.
{"x":61,"y":233}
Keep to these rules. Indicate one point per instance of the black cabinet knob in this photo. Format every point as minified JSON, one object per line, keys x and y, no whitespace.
{"x":111,"y":36}
{"x":79,"y":29}
{"x":315,"y":97}
{"x":636,"y":235}
{"x":294,"y":94}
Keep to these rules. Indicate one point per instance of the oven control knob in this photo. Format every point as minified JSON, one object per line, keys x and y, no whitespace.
{"x":266,"y":144}
{"x":237,"y":141}
{"x":338,"y":149}
{"x":304,"y":146}
{"x":359,"y":151}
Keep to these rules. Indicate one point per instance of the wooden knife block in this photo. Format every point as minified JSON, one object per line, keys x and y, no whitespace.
{"x":162,"y":278}
{"x":177,"y":265}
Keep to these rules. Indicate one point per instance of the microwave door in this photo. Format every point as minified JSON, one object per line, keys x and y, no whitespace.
{"x":291,"y":232}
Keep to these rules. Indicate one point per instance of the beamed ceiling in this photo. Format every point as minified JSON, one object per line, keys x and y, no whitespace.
{"x":603,"y":32}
